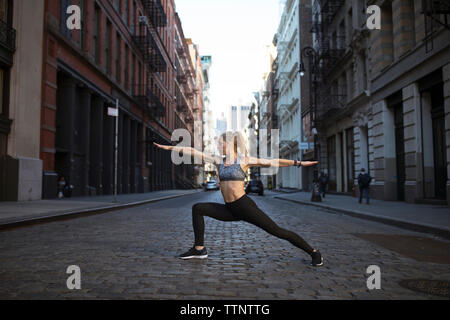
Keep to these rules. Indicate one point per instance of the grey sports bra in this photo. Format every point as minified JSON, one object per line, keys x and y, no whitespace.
{"x":232,"y":172}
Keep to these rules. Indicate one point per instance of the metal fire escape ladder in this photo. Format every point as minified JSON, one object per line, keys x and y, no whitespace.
{"x":145,"y":40}
{"x":326,"y":58}
{"x":155,"y":10}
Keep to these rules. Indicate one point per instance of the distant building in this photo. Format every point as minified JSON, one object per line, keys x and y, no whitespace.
{"x":267,"y":114}
{"x":233,"y":123}
{"x":221,"y":125}
{"x":208,"y":121}
{"x":198,"y":107}
{"x":185,"y":84}
{"x":238,"y":118}
{"x":289,"y":106}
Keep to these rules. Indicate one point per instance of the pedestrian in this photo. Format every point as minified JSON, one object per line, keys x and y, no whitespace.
{"x":364,"y":180}
{"x":323,"y":181}
{"x":61,"y":186}
{"x":231,"y":166}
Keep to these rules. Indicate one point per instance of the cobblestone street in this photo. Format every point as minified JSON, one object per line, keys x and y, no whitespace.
{"x":130,"y":254}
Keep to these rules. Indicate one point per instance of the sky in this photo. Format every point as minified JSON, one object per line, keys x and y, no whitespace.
{"x":235,"y":33}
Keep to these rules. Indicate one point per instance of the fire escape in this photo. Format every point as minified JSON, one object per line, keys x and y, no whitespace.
{"x":155,"y":11}
{"x":184,"y":91}
{"x":436,"y":14}
{"x":145,"y":39}
{"x":146,"y":42}
{"x":150,"y":101}
{"x":330,"y":49}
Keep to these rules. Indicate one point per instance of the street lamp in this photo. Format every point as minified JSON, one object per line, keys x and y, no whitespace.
{"x":302,"y":69}
{"x":312,"y":56}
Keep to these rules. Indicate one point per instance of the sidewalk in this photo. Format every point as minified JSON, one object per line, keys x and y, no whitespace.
{"x":27,"y":212}
{"x":419,"y":217}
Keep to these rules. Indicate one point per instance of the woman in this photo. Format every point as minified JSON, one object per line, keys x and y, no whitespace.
{"x":238,"y":206}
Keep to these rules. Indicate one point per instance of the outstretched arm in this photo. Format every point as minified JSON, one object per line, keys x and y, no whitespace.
{"x":190,"y":151}
{"x":257,"y":162}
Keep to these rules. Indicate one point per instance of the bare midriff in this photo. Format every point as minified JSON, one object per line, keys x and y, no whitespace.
{"x":232,"y":190}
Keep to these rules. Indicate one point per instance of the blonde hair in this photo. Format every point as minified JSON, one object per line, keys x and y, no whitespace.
{"x":238,"y":142}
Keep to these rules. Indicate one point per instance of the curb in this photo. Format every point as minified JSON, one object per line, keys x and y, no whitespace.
{"x":444,"y":233}
{"x":82,"y":213}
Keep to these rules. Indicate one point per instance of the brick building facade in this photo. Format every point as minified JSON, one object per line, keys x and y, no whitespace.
{"x":126,"y":51}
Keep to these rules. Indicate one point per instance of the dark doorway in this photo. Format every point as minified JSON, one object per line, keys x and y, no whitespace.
{"x":439,"y":143}
{"x":331,"y":150}
{"x":350,"y":159}
{"x":433,"y":85}
{"x":395,"y":103}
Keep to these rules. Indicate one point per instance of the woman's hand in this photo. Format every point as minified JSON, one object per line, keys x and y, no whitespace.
{"x":164,"y":147}
{"x":308,"y":163}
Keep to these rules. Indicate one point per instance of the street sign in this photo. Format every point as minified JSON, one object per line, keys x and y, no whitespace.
{"x":303,"y":145}
{"x":113,"y":112}
{"x":311,"y":145}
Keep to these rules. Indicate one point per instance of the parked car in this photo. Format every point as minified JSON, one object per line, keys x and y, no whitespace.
{"x":255,"y":186}
{"x":211,"y":185}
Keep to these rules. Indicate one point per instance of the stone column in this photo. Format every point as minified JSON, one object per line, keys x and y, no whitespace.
{"x":65,"y":127}
{"x":413,"y":158}
{"x":133,"y":151}
{"x":385,"y":168}
{"x":141,"y":177}
{"x":96,"y":145}
{"x":120,"y":156}
{"x":85,"y":115}
{"x":426,"y":156}
{"x":126,"y":154}
{"x":390,"y":162}
{"x":108,"y":153}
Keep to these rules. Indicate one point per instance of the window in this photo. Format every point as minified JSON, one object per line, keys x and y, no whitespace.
{"x":127,"y":12}
{"x":362,"y":13}
{"x":133,"y":14}
{"x":349,"y":25}
{"x":118,"y":57}
{"x":64,"y":30}
{"x":342,"y":36}
{"x":126,"y":69}
{"x":140,"y":83}
{"x":96,"y":34}
{"x":387,"y":48}
{"x":83,"y":10}
{"x":4,"y":10}
{"x":363,"y":70}
{"x":108,"y":48}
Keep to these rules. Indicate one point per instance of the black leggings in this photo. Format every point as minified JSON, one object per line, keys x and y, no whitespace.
{"x":242,"y":209}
